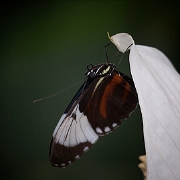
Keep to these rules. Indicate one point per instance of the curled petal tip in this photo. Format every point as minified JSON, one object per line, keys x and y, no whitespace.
{"x":122,"y":41}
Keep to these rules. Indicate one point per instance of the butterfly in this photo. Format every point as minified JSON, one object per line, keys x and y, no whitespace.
{"x":102,"y":102}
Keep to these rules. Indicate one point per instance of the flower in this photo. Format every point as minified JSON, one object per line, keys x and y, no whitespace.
{"x":158,"y":87}
{"x":143,"y":166}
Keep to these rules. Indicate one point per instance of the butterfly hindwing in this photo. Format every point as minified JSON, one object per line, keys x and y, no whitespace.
{"x":73,"y":137}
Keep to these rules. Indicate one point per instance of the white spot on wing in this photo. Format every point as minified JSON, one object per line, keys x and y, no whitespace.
{"x":77,"y":157}
{"x":85,"y":149}
{"x":98,"y":130}
{"x":107,"y":129}
{"x":114,"y":124}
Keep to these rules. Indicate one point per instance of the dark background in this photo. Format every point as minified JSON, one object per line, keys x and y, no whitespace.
{"x":45,"y":47}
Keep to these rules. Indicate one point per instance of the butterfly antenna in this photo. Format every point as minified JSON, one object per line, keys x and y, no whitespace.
{"x":57,"y":92}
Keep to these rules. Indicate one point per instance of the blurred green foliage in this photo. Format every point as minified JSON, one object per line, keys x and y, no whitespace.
{"x":45,"y":47}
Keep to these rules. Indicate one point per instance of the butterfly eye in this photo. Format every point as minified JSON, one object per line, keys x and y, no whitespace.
{"x":90,"y":66}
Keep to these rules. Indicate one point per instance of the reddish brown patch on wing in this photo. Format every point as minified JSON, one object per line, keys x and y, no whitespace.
{"x":127,"y":89}
{"x":107,"y":93}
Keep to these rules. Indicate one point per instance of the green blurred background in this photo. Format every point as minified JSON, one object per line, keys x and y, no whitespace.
{"x":45,"y":47}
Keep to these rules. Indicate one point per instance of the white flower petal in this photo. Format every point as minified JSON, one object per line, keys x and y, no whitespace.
{"x":122,"y":41}
{"x":158,"y":87}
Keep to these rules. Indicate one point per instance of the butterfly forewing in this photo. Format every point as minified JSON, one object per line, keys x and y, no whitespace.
{"x":113,"y":100}
{"x":100,"y":105}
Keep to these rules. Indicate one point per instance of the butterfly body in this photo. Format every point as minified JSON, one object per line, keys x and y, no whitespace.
{"x":102,"y":102}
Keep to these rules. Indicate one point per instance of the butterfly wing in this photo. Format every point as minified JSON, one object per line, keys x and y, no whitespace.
{"x":112,"y":100}
{"x":73,"y":135}
{"x":97,"y":108}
